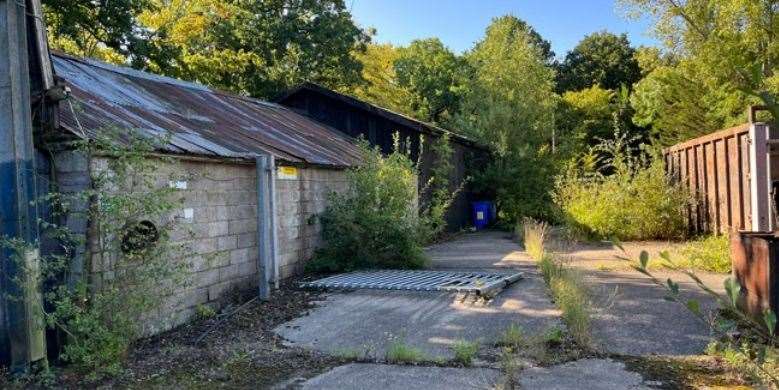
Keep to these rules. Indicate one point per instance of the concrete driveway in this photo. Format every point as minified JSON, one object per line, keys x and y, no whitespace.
{"x":365,"y":322}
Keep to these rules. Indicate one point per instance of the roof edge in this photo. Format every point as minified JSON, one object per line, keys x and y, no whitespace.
{"x":370,"y":107}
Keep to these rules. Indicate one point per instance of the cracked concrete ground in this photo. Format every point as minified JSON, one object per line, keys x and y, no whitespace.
{"x":637,"y":321}
{"x":366,"y":321}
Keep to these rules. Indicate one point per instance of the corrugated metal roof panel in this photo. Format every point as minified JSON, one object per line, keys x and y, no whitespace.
{"x":199,"y":120}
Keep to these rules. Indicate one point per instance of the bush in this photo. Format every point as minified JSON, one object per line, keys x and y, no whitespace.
{"x":629,"y":198}
{"x":374,"y":224}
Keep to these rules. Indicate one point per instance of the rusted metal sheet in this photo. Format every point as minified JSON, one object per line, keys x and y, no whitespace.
{"x":716,"y":169}
{"x":199,"y":120}
{"x":755,"y":258}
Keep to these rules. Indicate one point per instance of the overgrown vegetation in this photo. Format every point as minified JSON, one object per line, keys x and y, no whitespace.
{"x":566,"y":285}
{"x":746,"y":342}
{"x":622,"y":193}
{"x":708,"y":253}
{"x":374,"y":224}
{"x":132,"y":256}
{"x":437,"y":193}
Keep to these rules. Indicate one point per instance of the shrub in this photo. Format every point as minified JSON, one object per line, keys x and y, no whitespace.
{"x":710,"y":253}
{"x":629,"y":198}
{"x":374,"y":224}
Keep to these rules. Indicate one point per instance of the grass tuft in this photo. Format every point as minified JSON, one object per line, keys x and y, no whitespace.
{"x":513,"y":337}
{"x":400,"y":352}
{"x":465,"y":351}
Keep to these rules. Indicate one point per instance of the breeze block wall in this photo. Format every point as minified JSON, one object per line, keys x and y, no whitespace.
{"x":217,"y":227}
{"x":299,"y":199}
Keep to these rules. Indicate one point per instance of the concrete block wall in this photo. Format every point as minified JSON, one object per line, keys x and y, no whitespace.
{"x":217,"y":227}
{"x":298,"y":201}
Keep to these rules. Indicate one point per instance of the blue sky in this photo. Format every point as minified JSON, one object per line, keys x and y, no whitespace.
{"x":459,"y":23}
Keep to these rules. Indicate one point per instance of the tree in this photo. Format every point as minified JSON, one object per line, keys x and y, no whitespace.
{"x":733,"y":42}
{"x":602,"y":59}
{"x":434,"y":77}
{"x":257,"y":47}
{"x":678,"y":105}
{"x":509,"y":105}
{"x":585,"y":116}
{"x":104,"y":29}
{"x":380,"y":85}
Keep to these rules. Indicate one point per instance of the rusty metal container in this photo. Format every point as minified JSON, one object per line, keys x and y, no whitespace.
{"x":755,"y":258}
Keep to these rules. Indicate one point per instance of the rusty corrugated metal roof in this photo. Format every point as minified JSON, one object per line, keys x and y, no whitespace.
{"x":199,"y":120}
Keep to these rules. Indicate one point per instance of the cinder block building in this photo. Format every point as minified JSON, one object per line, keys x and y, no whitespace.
{"x":213,"y":145}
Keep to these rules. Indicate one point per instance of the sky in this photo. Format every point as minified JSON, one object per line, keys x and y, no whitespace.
{"x":460,"y":23}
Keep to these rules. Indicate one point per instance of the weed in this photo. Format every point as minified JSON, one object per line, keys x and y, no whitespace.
{"x":570,"y":295}
{"x":534,"y":238}
{"x":348,"y":353}
{"x":400,"y":352}
{"x":204,"y":312}
{"x":710,"y":253}
{"x":554,"y":336}
{"x":465,"y":351}
{"x":513,"y":337}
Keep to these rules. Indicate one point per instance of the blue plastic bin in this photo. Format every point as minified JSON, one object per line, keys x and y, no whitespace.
{"x":481,"y":214}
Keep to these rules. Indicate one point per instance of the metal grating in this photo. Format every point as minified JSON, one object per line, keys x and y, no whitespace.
{"x":482,"y":283}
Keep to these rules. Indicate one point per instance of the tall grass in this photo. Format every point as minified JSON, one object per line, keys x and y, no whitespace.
{"x":535,"y":234}
{"x":566,"y":284}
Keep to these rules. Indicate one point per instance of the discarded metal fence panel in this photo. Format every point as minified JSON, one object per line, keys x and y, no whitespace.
{"x":482,"y":283}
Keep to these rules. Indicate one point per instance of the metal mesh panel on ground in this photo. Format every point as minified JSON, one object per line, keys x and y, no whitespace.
{"x":482,"y":283}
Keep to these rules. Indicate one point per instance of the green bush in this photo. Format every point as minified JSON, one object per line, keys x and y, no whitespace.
{"x":374,"y":224}
{"x":629,"y":198}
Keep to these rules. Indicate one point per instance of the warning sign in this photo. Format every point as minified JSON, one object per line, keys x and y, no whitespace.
{"x":287,"y":173}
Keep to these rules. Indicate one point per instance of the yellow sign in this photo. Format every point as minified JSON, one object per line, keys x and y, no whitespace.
{"x":289,"y":173}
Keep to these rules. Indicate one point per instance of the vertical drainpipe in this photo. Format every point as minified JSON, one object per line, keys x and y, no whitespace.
{"x":267,"y":241}
{"x":274,"y":241}
{"x":263,"y":229}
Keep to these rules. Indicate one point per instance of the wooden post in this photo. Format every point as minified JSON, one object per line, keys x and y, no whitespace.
{"x":759,"y":174}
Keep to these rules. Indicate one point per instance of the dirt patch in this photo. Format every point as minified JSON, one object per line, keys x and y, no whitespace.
{"x":693,"y":372}
{"x":239,"y":351}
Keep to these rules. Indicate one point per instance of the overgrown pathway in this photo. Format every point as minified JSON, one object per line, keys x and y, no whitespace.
{"x":370,"y":325}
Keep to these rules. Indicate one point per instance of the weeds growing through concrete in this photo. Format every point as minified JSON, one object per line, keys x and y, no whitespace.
{"x":400,"y":352}
{"x":465,"y":351}
{"x":566,"y":284}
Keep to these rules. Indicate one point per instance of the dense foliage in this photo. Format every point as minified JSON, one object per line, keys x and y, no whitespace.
{"x":636,"y":200}
{"x":374,"y":224}
{"x":602,"y":59}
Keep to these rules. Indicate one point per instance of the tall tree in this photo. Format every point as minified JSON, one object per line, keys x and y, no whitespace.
{"x":380,"y":85}
{"x":602,"y":59}
{"x":434,"y":76}
{"x":509,"y":105}
{"x":733,"y":42}
{"x":106,"y":29}
{"x":258,"y":47}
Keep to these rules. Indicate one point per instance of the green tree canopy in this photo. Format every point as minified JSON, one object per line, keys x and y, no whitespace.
{"x":379,"y":81}
{"x":602,"y":59}
{"x":733,"y":43}
{"x":433,"y":76}
{"x":509,"y":105}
